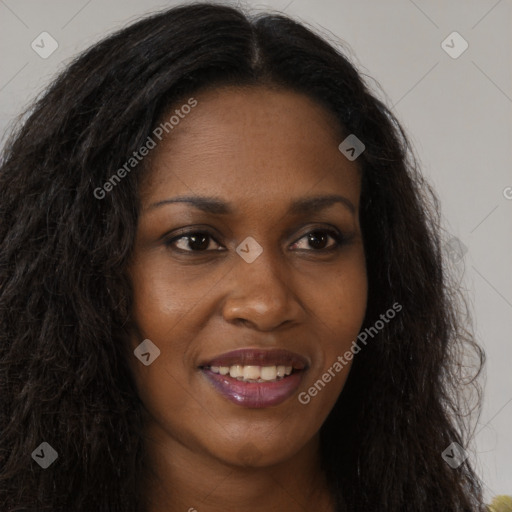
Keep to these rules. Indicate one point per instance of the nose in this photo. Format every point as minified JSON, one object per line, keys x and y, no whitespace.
{"x":262,"y":294}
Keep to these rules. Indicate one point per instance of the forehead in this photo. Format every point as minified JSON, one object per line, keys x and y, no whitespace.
{"x":248,"y":144}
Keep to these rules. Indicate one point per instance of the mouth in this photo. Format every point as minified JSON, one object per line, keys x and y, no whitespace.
{"x":255,"y":378}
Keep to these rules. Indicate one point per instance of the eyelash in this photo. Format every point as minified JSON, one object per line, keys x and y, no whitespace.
{"x":339,"y":238}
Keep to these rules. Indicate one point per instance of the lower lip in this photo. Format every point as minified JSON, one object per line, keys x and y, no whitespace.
{"x":255,"y":395}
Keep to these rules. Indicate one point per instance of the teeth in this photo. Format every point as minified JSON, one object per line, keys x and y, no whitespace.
{"x":236,"y":371}
{"x":268,"y":373}
{"x":251,"y":373}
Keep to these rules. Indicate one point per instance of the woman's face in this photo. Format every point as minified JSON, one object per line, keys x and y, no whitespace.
{"x":251,"y":285}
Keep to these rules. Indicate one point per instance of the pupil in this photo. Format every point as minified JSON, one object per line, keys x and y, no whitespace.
{"x":199,"y":242}
{"x":198,"y":246}
{"x":314,"y":238}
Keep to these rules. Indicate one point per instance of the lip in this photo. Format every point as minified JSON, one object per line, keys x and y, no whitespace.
{"x":256,"y":395}
{"x":258,"y":357}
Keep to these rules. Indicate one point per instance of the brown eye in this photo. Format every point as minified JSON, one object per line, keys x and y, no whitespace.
{"x":318,"y":239}
{"x":200,"y":241}
{"x":193,"y":241}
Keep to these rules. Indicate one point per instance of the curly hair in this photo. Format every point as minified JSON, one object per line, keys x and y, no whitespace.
{"x":65,"y":297}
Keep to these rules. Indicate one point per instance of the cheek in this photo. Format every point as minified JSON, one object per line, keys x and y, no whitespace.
{"x":159,"y":314}
{"x":163,"y":304}
{"x":172,"y":407}
{"x":340,"y":301}
{"x":351,"y":295}
{"x":156,"y":292}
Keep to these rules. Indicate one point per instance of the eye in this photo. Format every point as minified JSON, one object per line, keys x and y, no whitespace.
{"x":318,"y":239}
{"x":200,"y":241}
{"x":192,"y":241}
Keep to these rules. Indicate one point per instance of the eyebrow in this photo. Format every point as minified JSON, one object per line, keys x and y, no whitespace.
{"x":216,"y":206}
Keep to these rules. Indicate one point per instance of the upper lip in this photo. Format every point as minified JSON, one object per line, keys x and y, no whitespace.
{"x":258,"y":357}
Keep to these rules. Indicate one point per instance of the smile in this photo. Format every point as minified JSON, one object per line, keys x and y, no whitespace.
{"x":238,"y":378}
{"x":253,"y":373}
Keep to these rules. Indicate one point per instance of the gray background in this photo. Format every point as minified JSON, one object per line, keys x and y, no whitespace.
{"x":457,"y":112}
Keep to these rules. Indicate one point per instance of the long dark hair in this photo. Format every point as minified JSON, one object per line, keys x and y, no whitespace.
{"x":65,"y":298}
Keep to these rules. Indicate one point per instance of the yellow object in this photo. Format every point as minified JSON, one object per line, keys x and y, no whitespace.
{"x":501,"y":504}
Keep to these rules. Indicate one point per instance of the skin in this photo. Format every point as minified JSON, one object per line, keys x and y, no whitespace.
{"x":257,"y":148}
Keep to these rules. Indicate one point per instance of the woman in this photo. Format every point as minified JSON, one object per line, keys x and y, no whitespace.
{"x":222,"y":286}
